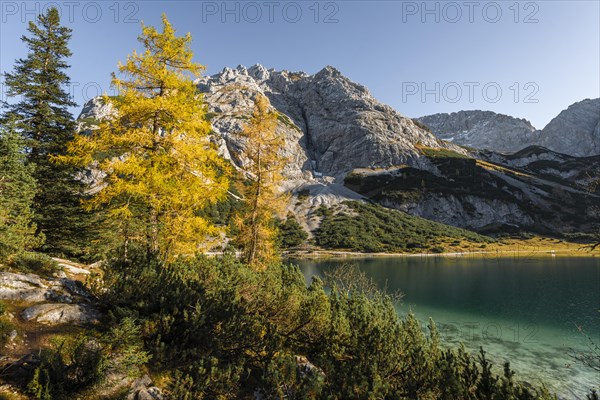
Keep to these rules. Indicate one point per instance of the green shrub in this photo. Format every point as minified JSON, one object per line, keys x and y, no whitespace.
{"x":291,"y":233}
{"x":70,"y":365}
{"x":437,"y":249}
{"x":37,"y":263}
{"x":222,"y":330}
{"x":75,"y":364}
{"x":6,"y":327}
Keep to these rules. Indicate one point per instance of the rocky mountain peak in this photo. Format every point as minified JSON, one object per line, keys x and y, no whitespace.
{"x":575,"y":131}
{"x":482,"y":130}
{"x":258,"y":72}
{"x":331,"y":124}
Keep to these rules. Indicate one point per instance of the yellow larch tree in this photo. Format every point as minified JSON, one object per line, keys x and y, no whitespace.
{"x":159,"y":165}
{"x":261,"y":189}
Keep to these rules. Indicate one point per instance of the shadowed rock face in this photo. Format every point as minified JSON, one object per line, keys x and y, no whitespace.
{"x":331,"y":124}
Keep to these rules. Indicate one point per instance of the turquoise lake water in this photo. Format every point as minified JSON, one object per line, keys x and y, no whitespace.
{"x":524,"y":310}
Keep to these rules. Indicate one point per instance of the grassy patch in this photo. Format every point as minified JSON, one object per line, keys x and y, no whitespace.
{"x":439,"y":153}
{"x":287,"y":122}
{"x":32,"y":262}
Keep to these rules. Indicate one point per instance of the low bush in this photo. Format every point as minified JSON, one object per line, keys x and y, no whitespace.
{"x":6,"y":327}
{"x":290,"y":233}
{"x":74,"y":364}
{"x":218,"y":329}
{"x":32,"y":262}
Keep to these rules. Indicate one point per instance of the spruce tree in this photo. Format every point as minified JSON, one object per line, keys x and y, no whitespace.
{"x":17,"y":189}
{"x":42,"y":118}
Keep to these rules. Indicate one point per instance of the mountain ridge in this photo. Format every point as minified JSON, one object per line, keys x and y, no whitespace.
{"x":334,"y":127}
{"x":574,"y":131}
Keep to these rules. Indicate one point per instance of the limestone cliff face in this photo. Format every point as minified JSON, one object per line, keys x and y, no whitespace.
{"x":575,"y":131}
{"x":331,"y":124}
{"x":483,"y":130}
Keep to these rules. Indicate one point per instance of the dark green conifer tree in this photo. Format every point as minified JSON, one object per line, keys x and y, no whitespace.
{"x":17,"y":189}
{"x":38,"y":84}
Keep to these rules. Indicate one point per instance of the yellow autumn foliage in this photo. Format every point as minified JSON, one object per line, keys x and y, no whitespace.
{"x":159,"y":165}
{"x":262,"y":195}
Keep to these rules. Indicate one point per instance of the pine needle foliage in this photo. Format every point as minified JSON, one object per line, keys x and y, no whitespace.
{"x":17,"y":190}
{"x":41,"y":116}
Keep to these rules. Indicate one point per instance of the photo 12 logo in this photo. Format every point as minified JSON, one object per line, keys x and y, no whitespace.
{"x":454,"y":92}
{"x":73,"y":11}
{"x":488,"y":332}
{"x":453,"y":12}
{"x":270,"y":11}
{"x":79,"y":92}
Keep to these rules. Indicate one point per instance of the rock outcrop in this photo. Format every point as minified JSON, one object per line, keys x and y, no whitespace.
{"x":580,"y":171}
{"x":30,"y":288}
{"x":56,"y":313}
{"x":142,"y":389}
{"x":24,"y":287}
{"x":53,"y":300}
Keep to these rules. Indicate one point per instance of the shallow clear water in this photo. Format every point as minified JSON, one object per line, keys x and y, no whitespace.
{"x":524,"y":310}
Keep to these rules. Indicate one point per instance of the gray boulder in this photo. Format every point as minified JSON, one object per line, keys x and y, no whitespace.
{"x":20,"y":287}
{"x":142,"y":389}
{"x":54,"y":314}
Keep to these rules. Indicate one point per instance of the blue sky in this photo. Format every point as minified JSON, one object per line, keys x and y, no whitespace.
{"x":526,"y":59}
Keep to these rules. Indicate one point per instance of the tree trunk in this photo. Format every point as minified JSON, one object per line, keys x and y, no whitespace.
{"x":253,"y":221}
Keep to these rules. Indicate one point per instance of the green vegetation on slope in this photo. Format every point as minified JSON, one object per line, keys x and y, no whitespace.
{"x":290,"y":233}
{"x":440,"y":153}
{"x":216,"y":328}
{"x":373,"y":228}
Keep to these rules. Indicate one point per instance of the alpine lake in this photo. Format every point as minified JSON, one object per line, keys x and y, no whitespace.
{"x":526,"y":310}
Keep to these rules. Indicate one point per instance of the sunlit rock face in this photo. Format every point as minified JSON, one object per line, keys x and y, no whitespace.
{"x":331,"y":124}
{"x":575,"y":131}
{"x":482,"y":130}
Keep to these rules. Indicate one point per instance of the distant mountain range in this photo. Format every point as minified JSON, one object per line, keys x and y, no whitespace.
{"x":575,"y":131}
{"x":344,"y":144}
